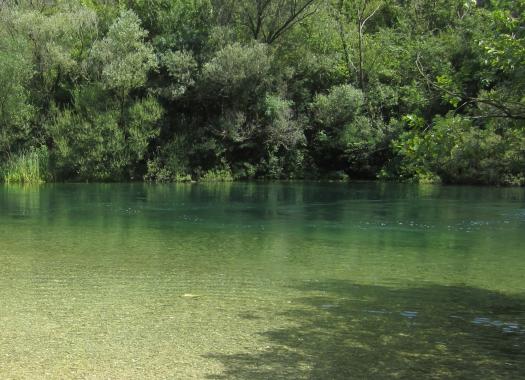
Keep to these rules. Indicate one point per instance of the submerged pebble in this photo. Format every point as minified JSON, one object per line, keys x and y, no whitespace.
{"x":506,"y":327}
{"x":409,"y":314}
{"x":377,"y":311}
{"x":191,"y":296}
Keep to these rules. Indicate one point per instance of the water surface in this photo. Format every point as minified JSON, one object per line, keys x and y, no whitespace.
{"x":262,"y":281}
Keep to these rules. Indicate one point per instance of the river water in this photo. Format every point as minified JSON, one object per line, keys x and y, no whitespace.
{"x":262,"y":281}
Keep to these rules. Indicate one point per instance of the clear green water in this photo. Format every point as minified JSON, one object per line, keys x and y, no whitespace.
{"x":294,"y":280}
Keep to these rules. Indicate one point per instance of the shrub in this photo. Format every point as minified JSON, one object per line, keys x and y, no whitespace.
{"x":455,"y":151}
{"x":217,"y":175}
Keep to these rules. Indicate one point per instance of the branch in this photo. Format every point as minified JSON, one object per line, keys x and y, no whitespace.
{"x":370,"y":16}
{"x":296,"y":15}
{"x":507,"y":112}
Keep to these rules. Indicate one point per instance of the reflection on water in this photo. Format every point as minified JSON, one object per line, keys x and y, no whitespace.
{"x":287,"y":280}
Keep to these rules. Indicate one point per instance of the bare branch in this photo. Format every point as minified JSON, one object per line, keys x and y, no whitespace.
{"x":270,"y":19}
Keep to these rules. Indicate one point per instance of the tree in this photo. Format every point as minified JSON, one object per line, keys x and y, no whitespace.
{"x":348,"y":13}
{"x":122,"y":59}
{"x":16,"y":113}
{"x":113,"y":90}
{"x":99,"y":138}
{"x":58,"y":39}
{"x":268,"y":20}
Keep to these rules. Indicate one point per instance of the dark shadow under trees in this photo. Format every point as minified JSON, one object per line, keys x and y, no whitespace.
{"x":350,"y":331}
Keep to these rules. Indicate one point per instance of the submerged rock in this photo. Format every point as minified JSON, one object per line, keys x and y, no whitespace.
{"x":409,"y":314}
{"x":191,"y":296}
{"x":506,"y":327}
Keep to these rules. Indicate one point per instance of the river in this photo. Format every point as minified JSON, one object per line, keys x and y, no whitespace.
{"x":291,"y":280}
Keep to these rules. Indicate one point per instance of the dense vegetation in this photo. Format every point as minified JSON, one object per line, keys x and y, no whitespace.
{"x":175,"y":90}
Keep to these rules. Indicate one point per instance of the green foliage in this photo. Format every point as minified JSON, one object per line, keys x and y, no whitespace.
{"x":345,"y":138}
{"x":337,"y":108}
{"x":217,"y":175}
{"x":181,"y":68}
{"x":58,"y":39}
{"x":283,"y":130}
{"x":161,"y":90}
{"x":182,"y":25}
{"x":505,"y":48}
{"x":122,"y":59}
{"x":159,"y":173}
{"x":142,"y":118}
{"x":171,"y":162}
{"x":238,"y":70}
{"x":16,"y":112}
{"x":453,"y":151}
{"x":87,"y":148}
{"x":29,"y":167}
{"x":95,"y":146}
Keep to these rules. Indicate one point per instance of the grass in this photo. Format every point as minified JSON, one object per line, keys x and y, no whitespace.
{"x":26,"y":167}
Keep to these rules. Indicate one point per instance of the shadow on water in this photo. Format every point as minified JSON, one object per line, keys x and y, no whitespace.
{"x":348,"y":331}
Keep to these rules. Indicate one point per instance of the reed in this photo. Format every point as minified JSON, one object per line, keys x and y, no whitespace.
{"x":27,"y":167}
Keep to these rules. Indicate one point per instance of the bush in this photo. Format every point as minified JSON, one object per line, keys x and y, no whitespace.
{"x":337,"y":108}
{"x":171,"y":162}
{"x":455,"y":151}
{"x":93,"y":144}
{"x":157,"y":172}
{"x":217,"y":175}
{"x":345,"y":137}
{"x":237,"y":69}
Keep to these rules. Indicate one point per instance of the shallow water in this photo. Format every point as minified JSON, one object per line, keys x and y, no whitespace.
{"x":262,"y":281}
